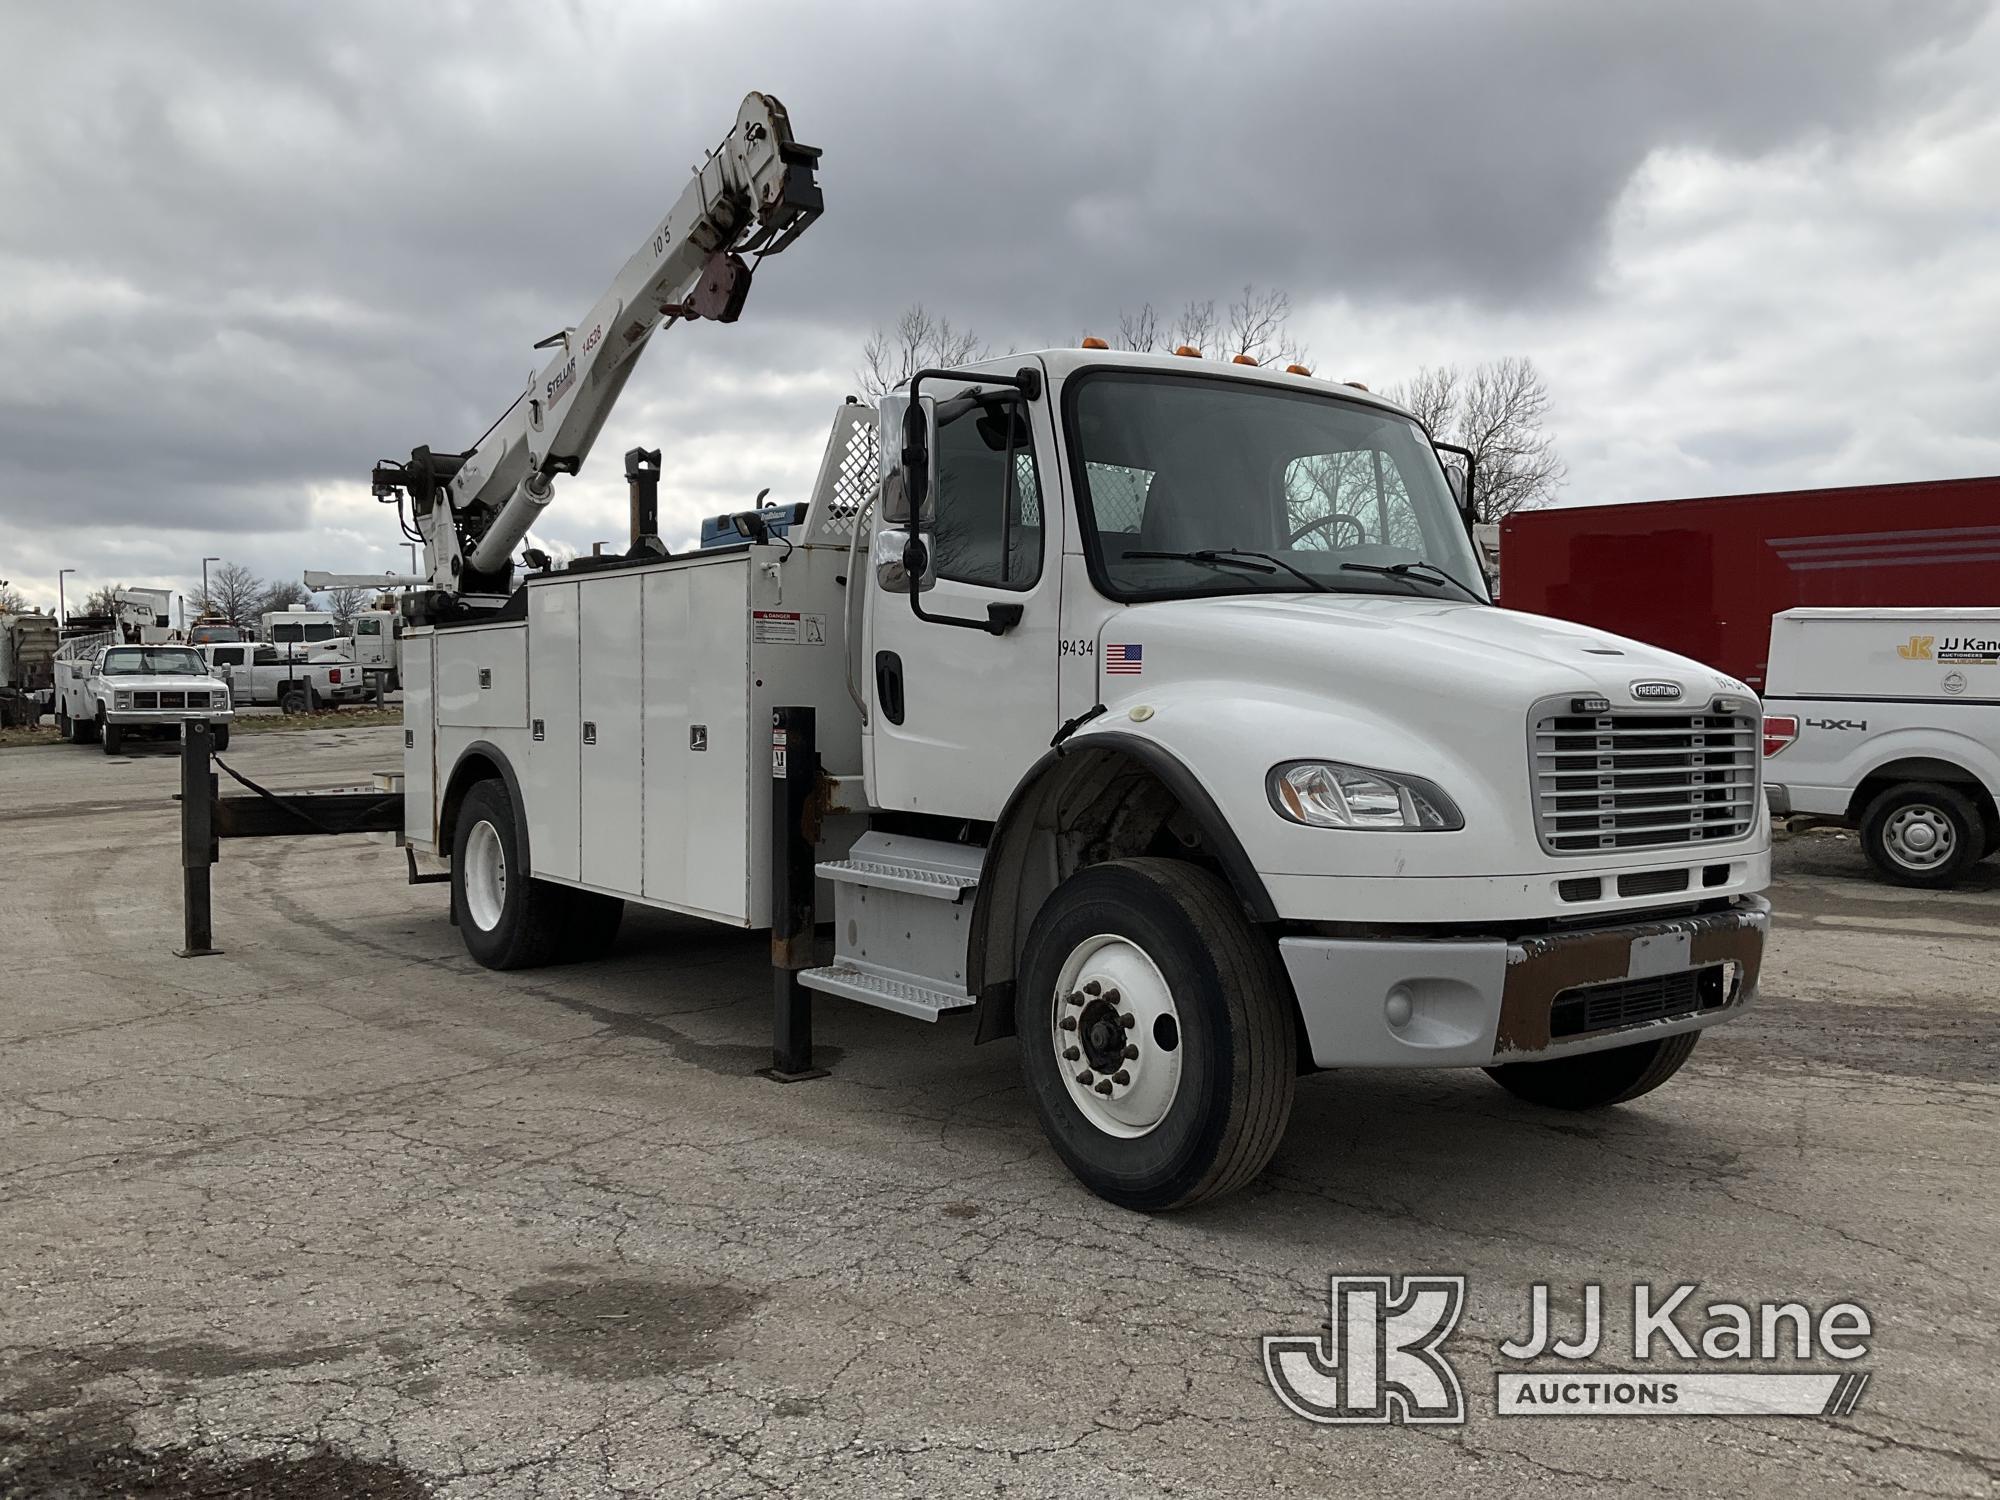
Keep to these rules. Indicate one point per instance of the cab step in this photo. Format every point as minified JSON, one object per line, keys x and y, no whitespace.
{"x":900,"y":995}
{"x":901,"y":922}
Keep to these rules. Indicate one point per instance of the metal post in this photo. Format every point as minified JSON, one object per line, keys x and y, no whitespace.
{"x":642,"y":476}
{"x":794,"y":775}
{"x":198,"y":840}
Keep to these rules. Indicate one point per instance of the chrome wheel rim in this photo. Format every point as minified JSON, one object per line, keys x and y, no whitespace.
{"x":1117,"y":1036}
{"x":485,"y":876}
{"x":1919,"y":837}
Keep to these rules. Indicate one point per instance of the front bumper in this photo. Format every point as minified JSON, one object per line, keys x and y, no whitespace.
{"x":127,"y":716}
{"x":1478,"y":1002}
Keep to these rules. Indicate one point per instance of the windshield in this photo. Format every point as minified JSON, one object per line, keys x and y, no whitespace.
{"x":1270,"y":483}
{"x":132,"y":661}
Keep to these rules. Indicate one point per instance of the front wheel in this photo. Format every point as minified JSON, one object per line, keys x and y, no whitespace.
{"x":1156,"y":1034}
{"x":1597,"y":1080}
{"x":111,"y":736}
{"x":508,"y":921}
{"x":218,"y":737}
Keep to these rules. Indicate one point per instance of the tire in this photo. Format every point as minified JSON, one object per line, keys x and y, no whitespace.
{"x":590,"y":927}
{"x":296,"y":701}
{"x":62,"y":727}
{"x":218,"y":737}
{"x":1224,"y":1041}
{"x":519,"y":925}
{"x":111,"y":736}
{"x":1923,"y":834}
{"x":83,"y":731}
{"x":1597,"y":1080}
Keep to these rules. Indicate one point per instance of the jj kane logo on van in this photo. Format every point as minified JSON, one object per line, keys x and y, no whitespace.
{"x":1383,"y":1357}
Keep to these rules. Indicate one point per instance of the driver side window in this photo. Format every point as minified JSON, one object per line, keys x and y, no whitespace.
{"x":1353,"y":498}
{"x":988,"y":521}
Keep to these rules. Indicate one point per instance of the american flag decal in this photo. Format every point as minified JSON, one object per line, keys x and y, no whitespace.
{"x":1124,"y":661}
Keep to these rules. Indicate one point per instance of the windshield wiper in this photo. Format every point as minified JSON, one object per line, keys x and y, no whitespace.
{"x":1317,"y":585}
{"x":1238,"y":557}
{"x":1411,"y":570}
{"x":1206,"y":555}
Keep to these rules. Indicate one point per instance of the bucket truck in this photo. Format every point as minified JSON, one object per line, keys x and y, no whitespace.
{"x":1163,"y":720}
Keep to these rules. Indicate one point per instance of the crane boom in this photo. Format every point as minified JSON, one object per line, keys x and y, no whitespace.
{"x":755,"y":194}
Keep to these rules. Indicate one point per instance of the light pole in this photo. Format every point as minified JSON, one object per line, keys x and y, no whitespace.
{"x":413,"y":557}
{"x":62,"y":608}
{"x":207,"y":604}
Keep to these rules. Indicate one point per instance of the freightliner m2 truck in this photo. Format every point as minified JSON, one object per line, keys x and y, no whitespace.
{"x":1187,"y":746}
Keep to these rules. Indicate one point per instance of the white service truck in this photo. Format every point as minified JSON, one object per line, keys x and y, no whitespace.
{"x":1889,"y":720}
{"x":107,"y":690}
{"x":1186,"y":744}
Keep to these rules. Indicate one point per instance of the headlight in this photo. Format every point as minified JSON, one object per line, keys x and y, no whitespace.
{"x":121,"y":700}
{"x":1330,"y":794}
{"x":218,"y":700}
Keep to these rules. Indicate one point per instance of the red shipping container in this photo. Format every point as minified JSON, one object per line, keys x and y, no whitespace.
{"x":1703,"y":577}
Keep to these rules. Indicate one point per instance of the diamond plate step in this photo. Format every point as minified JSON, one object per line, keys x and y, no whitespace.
{"x":897,"y":862}
{"x":888,"y":994}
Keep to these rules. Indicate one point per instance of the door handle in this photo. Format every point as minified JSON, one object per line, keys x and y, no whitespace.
{"x":889,"y":685}
{"x":589,"y":732}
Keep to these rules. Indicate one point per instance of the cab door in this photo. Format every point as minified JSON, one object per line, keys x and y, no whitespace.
{"x":958,"y":715}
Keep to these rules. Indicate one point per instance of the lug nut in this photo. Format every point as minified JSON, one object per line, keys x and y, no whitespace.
{"x":1104,"y":1086}
{"x":1130,"y":1052}
{"x":1068,"y":1023}
{"x":1072,"y":999}
{"x":1085,"y":1076}
{"x":1128,"y":1020}
{"x":1121,"y":1078}
{"x":1093,"y":988}
{"x":1111,"y":997}
{"x":1071,"y":1054}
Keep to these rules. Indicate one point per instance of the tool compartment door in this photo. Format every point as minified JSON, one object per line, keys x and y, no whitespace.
{"x":608,"y":673}
{"x":554,"y":731}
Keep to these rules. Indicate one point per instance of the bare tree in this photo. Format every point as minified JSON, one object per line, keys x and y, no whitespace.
{"x":919,"y":341}
{"x":284,"y":593}
{"x":343,"y":605}
{"x":102,"y":601}
{"x":234,"y":594}
{"x":1257,"y":324}
{"x":1497,"y":410}
{"x":12,"y":600}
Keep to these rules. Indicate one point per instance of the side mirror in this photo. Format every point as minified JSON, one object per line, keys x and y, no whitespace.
{"x":1463,"y":482}
{"x":909,"y":481}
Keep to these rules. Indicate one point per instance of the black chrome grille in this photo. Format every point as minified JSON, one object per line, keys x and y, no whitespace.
{"x":1635,"y":779}
{"x":1632,"y":1002}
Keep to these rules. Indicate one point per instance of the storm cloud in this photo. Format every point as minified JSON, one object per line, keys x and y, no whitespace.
{"x":249,"y":249}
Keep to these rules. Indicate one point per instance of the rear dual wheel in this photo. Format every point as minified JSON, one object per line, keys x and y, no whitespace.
{"x":1156,"y":1034}
{"x":507,"y":919}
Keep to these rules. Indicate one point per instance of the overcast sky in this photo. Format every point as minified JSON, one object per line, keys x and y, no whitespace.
{"x":249,"y":249}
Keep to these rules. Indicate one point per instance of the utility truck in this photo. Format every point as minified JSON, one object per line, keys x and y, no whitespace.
{"x":107,"y":690}
{"x":1888,"y":720}
{"x":1181,"y":739}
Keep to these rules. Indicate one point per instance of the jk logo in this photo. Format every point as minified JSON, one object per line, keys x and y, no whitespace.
{"x":1380,"y":1360}
{"x":1919,"y":648}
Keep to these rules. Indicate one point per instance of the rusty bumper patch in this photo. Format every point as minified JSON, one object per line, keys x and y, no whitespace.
{"x":1541,"y":968}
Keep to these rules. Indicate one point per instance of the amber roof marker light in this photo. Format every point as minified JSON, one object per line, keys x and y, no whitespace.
{"x":1093,"y":342}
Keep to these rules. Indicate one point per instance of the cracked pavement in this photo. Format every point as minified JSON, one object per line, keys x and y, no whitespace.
{"x":339,"y":1208}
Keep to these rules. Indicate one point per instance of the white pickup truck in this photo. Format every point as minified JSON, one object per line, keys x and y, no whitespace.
{"x":284,"y":676}
{"x":1889,"y":720}
{"x":106,"y":691}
